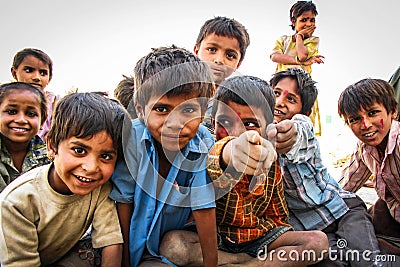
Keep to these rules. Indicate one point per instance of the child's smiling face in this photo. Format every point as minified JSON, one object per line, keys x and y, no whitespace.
{"x":372,"y":125}
{"x":288,"y":101}
{"x":82,"y":164}
{"x":20,"y":116}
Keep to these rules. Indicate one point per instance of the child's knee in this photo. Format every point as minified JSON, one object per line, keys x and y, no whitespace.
{"x":173,"y":246}
{"x":317,"y":241}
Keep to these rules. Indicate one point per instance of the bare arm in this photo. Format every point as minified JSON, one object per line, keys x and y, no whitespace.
{"x":125,"y":212}
{"x":207,"y":230}
{"x":111,"y":256}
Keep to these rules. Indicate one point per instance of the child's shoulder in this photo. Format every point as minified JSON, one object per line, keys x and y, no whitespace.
{"x":25,"y":184}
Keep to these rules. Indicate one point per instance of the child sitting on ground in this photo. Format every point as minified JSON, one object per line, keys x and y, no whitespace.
{"x":45,"y":212}
{"x":23,"y":110}
{"x":315,"y":200}
{"x":369,"y":108}
{"x":164,"y":178}
{"x":251,"y":210}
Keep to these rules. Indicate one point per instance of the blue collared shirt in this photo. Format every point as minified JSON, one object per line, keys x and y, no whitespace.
{"x":314,"y":197}
{"x":160,"y":205}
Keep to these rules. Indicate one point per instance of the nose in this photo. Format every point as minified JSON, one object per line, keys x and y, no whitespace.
{"x":279,"y":101}
{"x":20,"y":118}
{"x":90,"y":164}
{"x":174,"y":121}
{"x":219,"y":58}
{"x":36,"y":76}
{"x":365,"y":122}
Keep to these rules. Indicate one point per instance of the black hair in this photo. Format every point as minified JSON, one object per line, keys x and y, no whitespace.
{"x":363,"y":94}
{"x":85,"y":114}
{"x":224,"y":26}
{"x":299,"y":8}
{"x":172,"y":71}
{"x":246,"y":90}
{"x":19,"y":57}
{"x":6,"y":88}
{"x":305,"y":87}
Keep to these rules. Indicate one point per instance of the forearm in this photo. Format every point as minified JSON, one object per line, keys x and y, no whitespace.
{"x":111,"y":256}
{"x":302,"y":51}
{"x":125,"y":212}
{"x":284,"y":59}
{"x":207,"y":231}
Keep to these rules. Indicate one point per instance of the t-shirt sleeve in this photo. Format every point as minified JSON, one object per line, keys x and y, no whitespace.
{"x":106,"y":229}
{"x":279,"y":46}
{"x":18,"y":235}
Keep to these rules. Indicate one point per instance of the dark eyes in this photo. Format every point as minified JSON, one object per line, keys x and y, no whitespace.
{"x":14,"y":112}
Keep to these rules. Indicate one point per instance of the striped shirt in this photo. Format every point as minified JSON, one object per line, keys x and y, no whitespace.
{"x":365,"y":161}
{"x":314,"y":197}
{"x":245,"y":213}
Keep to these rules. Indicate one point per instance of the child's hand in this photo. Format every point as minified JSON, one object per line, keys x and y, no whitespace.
{"x":308,"y":32}
{"x":314,"y":59}
{"x":250,"y":153}
{"x":285,"y":134}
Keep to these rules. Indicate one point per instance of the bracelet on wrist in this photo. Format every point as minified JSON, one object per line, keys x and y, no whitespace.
{"x":300,"y":34}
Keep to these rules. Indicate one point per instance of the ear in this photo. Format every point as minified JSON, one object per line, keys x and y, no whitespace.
{"x":196,"y":49}
{"x":14,"y":73}
{"x":395,"y":114}
{"x":51,"y":152}
{"x":139,"y":112}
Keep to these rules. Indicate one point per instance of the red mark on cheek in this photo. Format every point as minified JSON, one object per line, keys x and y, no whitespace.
{"x":285,"y":92}
{"x":363,"y":122}
{"x":221,"y":133}
{"x":381,"y":123}
{"x":238,"y":114}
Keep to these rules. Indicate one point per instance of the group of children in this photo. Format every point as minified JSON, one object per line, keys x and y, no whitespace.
{"x":143,"y":182}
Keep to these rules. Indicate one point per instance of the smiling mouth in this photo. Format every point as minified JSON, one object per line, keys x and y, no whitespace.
{"x":19,"y":130}
{"x":84,"y":179}
{"x":278,"y":112}
{"x":369,"y":134}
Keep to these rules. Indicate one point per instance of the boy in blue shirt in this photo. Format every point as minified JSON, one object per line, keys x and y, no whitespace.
{"x":163,"y":179}
{"x":315,"y":199}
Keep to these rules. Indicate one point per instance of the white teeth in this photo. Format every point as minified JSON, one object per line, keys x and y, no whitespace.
{"x":83,"y":179}
{"x":369,"y":134}
{"x":19,"y":129}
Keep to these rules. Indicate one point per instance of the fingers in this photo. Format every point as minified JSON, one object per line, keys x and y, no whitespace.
{"x":251,"y":153}
{"x":286,"y":136}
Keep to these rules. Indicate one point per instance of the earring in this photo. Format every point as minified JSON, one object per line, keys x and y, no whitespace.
{"x":51,"y":156}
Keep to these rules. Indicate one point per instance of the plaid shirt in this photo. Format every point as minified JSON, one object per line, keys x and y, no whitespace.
{"x":244,"y":214}
{"x":314,"y":198}
{"x":386,"y":170}
{"x":36,"y":156}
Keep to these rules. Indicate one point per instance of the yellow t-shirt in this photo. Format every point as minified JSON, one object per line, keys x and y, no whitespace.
{"x":285,"y":45}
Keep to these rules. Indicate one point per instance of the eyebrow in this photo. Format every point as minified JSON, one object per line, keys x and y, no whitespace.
{"x":87,"y":147}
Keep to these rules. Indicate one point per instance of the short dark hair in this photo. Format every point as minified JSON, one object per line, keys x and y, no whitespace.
{"x":305,"y":86}
{"x":246,"y":90}
{"x":19,"y":57}
{"x":6,"y":88}
{"x":228,"y":27}
{"x":172,"y":71}
{"x":299,"y":8}
{"x":363,"y":94}
{"x":124,"y":93}
{"x":84,"y":115}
